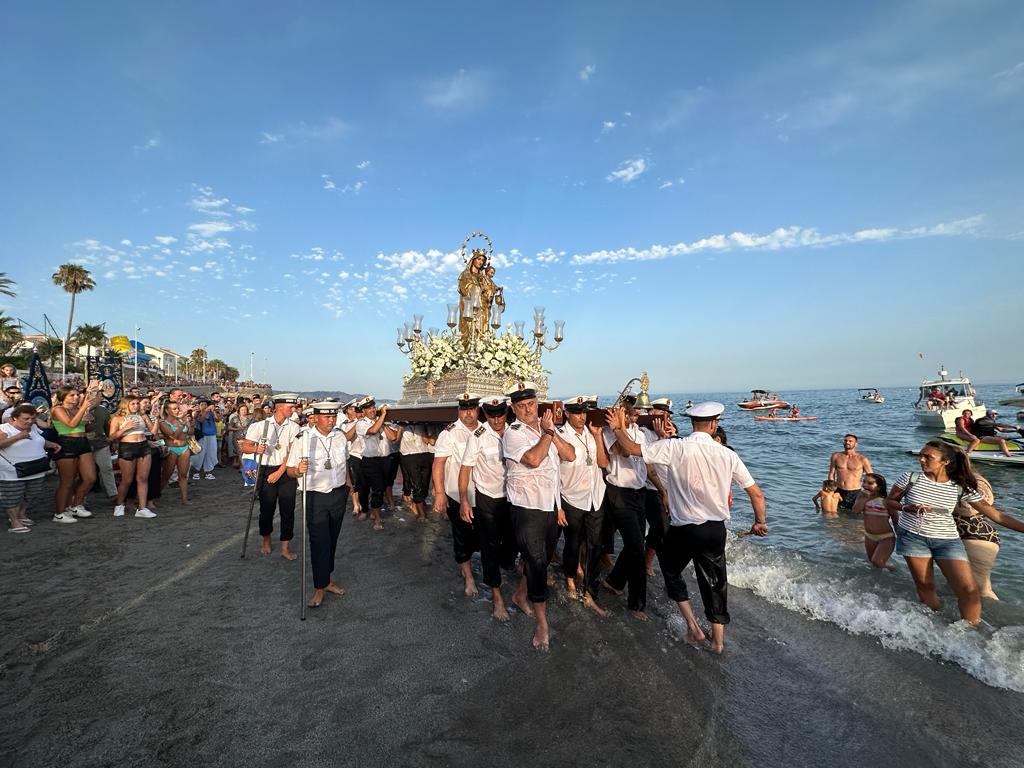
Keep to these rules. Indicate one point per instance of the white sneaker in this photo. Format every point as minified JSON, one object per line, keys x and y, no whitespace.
{"x":80,"y":511}
{"x":209,"y":476}
{"x":64,"y":517}
{"x":119,"y":510}
{"x":174,"y":476}
{"x":195,"y":476}
{"x":144,"y":512}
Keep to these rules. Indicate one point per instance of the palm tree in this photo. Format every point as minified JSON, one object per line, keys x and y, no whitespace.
{"x":90,"y":336}
{"x":49,"y":349}
{"x":10,"y":331}
{"x":75,"y":279}
{"x":196,"y":359}
{"x":7,"y":285}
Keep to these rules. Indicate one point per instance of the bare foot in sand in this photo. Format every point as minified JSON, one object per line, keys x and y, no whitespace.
{"x":500,"y":612}
{"x":265,"y":546}
{"x":639,"y":615}
{"x":592,"y":605}
{"x":540,"y":640}
{"x":378,"y":526}
{"x":520,"y":602}
{"x":717,"y":648}
{"x":287,"y":554}
{"x":610,"y":588}
{"x":318,"y":597}
{"x":361,"y":515}
{"x":334,"y":589}
{"x":694,"y":634}
{"x":570,"y":589}
{"x":470,"y":589}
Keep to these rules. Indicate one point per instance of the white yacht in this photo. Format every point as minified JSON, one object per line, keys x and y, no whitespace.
{"x":942,"y":400}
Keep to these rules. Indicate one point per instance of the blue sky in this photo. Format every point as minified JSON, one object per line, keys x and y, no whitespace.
{"x":786,"y":195}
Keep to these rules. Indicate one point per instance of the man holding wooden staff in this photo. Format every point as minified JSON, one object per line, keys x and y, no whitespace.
{"x":321,"y":462}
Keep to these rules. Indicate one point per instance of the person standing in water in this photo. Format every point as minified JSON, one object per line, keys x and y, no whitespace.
{"x":847,"y":467}
{"x":879,"y":539}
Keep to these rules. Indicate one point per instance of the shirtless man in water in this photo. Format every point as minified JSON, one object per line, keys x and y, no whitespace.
{"x":846,"y":468}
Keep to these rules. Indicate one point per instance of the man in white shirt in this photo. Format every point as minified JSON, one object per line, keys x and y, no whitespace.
{"x":416,"y":457}
{"x":655,"y":504}
{"x":268,"y":441}
{"x":447,"y":454}
{"x":582,"y":508}
{"x":355,"y":453}
{"x":318,"y":460}
{"x":700,"y":474}
{"x":374,"y":434}
{"x":533,"y":450}
{"x":483,"y":466}
{"x":627,"y":475}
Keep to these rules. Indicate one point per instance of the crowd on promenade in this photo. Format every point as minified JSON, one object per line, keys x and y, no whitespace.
{"x":509,"y":480}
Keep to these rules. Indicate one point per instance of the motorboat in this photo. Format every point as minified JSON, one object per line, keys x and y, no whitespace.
{"x":762,"y":400}
{"x":989,"y":452}
{"x":941,"y":401}
{"x":871,"y":395}
{"x":1018,"y":400}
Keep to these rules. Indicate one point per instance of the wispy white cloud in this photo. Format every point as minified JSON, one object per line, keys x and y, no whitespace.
{"x":166,"y":239}
{"x":211,"y":228}
{"x":363,"y":165}
{"x":608,"y":126}
{"x":1016,"y":69}
{"x":668,"y":183}
{"x":153,"y":142}
{"x":587,"y":72}
{"x":628,"y":170}
{"x":780,"y":239}
{"x":271,"y":138}
{"x":327,"y":129}
{"x":460,"y":90}
{"x":329,"y":184}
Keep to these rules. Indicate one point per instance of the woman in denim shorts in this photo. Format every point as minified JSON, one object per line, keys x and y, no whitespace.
{"x":927,"y":531}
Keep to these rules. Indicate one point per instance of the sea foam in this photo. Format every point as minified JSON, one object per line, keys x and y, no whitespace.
{"x":785,"y":578}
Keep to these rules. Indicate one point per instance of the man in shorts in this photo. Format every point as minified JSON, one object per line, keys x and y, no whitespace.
{"x":847,"y":467}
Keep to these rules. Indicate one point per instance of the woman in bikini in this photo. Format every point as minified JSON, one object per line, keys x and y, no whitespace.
{"x":879,"y":537}
{"x":176,"y":432}
{"x":75,"y":457}
{"x":128,"y":428}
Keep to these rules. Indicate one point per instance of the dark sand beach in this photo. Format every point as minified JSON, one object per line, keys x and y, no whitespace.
{"x":132,"y":642}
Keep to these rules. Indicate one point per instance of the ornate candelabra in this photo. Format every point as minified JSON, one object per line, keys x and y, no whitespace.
{"x":410,"y":336}
{"x":540,"y":332}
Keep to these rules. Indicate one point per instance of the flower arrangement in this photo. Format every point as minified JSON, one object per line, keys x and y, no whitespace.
{"x":506,"y":355}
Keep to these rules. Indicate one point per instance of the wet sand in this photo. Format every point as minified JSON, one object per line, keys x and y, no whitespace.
{"x":150,"y":642}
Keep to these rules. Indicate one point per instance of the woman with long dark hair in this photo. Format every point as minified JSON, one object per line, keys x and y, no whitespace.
{"x":176,"y":432}
{"x":926,"y":532}
{"x":75,"y":457}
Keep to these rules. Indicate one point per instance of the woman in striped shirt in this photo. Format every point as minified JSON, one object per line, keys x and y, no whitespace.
{"x":927,"y":532}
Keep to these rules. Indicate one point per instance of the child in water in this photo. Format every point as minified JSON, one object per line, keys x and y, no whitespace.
{"x":879,"y":539}
{"x":826,"y":501}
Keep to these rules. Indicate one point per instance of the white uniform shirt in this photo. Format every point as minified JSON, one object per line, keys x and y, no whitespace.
{"x":321,"y":447}
{"x":659,"y":469}
{"x":355,"y":445}
{"x":450,"y":445}
{"x":413,"y":440}
{"x":374,"y":446}
{"x":278,"y":436}
{"x":531,"y":488}
{"x":582,"y":483}
{"x":483,"y":453}
{"x":626,"y":471}
{"x":700,"y":473}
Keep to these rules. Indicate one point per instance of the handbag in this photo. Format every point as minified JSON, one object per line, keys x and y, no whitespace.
{"x":194,"y":446}
{"x":29,"y":468}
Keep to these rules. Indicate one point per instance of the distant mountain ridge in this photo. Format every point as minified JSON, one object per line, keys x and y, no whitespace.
{"x":322,"y":394}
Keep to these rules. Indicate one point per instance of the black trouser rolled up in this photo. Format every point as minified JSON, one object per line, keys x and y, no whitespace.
{"x":279,"y":495}
{"x":464,"y":536}
{"x":536,"y":534}
{"x":416,"y":475}
{"x":654,"y":511}
{"x":608,"y":530}
{"x":630,"y":570}
{"x":492,"y":519}
{"x":355,"y":475}
{"x":375,"y":472}
{"x":704,"y":544}
{"x":583,"y":526}
{"x":325,"y":513}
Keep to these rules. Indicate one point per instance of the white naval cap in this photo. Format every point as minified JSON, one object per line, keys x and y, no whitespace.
{"x":662,"y":404}
{"x":286,"y":398}
{"x":325,"y":406}
{"x":494,"y":406}
{"x":704,"y":411}
{"x":576,"y":404}
{"x":366,"y":402}
{"x":521,"y":390}
{"x":468,"y":400}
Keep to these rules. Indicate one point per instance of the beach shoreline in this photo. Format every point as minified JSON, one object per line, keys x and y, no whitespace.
{"x":136,"y":642}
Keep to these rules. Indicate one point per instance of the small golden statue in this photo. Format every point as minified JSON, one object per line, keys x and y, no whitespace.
{"x":477,"y":291}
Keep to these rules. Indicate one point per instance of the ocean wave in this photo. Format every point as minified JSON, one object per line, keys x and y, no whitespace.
{"x":785,"y":578}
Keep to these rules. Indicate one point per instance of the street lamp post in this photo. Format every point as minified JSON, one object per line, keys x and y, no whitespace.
{"x":252,"y":357}
{"x":137,"y":329}
{"x":205,"y":355}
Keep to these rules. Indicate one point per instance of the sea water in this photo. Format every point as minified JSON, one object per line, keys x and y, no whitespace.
{"x":817,"y":566}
